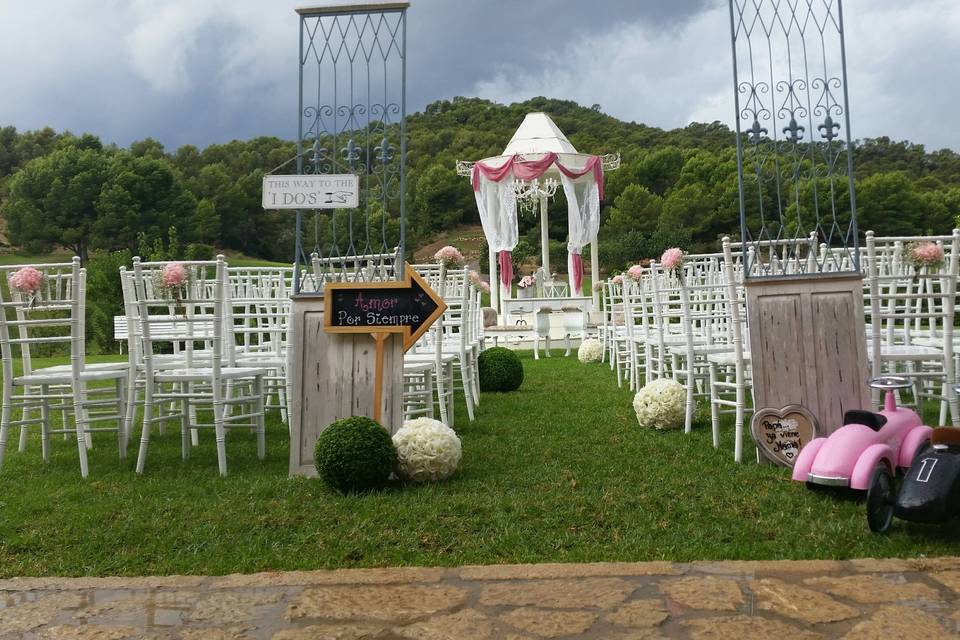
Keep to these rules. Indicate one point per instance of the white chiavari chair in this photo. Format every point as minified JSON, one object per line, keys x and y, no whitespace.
{"x":200,"y":382}
{"x":912,"y":320}
{"x":730,"y":373}
{"x":53,"y":317}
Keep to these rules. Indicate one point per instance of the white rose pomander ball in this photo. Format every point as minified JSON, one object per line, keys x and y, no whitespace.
{"x":427,"y":450}
{"x":591,"y":350}
{"x":661,"y":404}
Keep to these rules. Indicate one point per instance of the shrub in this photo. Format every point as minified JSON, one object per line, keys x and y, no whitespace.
{"x":427,"y":449}
{"x":198,"y":251}
{"x":355,"y":454}
{"x":500,"y":369}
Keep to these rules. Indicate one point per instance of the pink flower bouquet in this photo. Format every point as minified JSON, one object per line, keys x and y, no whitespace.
{"x":672,"y":261}
{"x":28,"y":281}
{"x":449,"y":256}
{"x":485,"y":287}
{"x":617,"y":280}
{"x":924,"y":254}
{"x":170,"y":282}
{"x":525,"y":281}
{"x":635,"y":273}
{"x":174,"y":275}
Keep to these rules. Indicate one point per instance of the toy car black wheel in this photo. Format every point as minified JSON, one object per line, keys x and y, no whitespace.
{"x":880,"y":499}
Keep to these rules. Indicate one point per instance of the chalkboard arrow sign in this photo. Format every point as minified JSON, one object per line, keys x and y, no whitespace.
{"x":407,"y":306}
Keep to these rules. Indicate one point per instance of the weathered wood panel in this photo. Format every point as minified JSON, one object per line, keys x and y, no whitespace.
{"x":333,"y":377}
{"x":808,"y":345}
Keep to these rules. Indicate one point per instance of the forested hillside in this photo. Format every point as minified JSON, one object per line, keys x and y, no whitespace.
{"x":675,"y":187}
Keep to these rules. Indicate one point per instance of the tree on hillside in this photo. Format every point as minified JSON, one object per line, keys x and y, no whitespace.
{"x":141,"y":195}
{"x":636,"y":209}
{"x":440,"y":200}
{"x":53,"y":200}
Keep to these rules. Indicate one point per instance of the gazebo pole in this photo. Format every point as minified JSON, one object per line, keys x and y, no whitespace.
{"x":544,"y":238}
{"x":594,"y":272}
{"x":494,"y":280}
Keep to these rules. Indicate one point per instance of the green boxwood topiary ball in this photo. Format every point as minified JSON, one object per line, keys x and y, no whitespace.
{"x":355,"y":454}
{"x":500,"y":370}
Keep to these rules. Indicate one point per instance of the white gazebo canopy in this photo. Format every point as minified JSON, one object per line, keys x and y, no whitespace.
{"x":535,"y":139}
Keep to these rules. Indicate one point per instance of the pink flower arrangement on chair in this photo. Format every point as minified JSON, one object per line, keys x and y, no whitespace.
{"x":672,"y":261}
{"x":924,"y":254}
{"x":617,"y":280}
{"x":485,"y":287}
{"x":28,"y":281}
{"x":449,"y":256}
{"x":171,"y":281}
{"x":525,"y":281}
{"x":635,"y":273}
{"x":174,"y":275}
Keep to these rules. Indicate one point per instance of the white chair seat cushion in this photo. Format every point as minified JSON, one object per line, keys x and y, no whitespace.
{"x":98,"y":366}
{"x":681,"y":349}
{"x":935,"y":342}
{"x":417,"y":367}
{"x":445,"y":358}
{"x":66,"y":377}
{"x":727,"y":358}
{"x":909,"y":352}
{"x":265,"y":360}
{"x":227,"y":373}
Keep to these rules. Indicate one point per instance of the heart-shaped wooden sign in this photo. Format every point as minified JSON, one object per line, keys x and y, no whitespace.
{"x":781,"y":433}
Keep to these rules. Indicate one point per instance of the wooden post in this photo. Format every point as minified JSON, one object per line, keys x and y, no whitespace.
{"x":380,"y":337}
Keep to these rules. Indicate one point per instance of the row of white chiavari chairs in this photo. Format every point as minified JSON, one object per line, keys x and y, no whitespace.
{"x":219,"y":344}
{"x":445,"y":359}
{"x":694,"y":329}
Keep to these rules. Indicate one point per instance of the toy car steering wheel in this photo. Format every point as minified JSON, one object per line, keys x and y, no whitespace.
{"x":889,"y":383}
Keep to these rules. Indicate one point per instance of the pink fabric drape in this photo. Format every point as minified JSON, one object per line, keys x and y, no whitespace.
{"x":577,"y":262}
{"x":532,"y":169}
{"x":505,"y":258}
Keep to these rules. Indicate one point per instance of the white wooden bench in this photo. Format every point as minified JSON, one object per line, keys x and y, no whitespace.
{"x":173,"y":328}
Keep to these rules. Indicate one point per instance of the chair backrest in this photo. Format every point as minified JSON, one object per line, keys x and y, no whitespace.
{"x":366,"y":267}
{"x":194,"y":303}
{"x":906,"y":300}
{"x":41,"y":304}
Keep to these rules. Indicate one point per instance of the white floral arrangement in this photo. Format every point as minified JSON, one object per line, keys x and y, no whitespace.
{"x":427,"y":450}
{"x":591,"y":350}
{"x":661,"y":404}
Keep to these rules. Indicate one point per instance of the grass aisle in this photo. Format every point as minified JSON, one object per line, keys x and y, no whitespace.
{"x":556,"y":472}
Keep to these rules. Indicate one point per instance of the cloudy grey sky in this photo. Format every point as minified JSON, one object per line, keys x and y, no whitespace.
{"x":205,"y":71}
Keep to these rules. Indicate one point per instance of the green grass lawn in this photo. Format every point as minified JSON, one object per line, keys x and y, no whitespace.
{"x":558,"y":471}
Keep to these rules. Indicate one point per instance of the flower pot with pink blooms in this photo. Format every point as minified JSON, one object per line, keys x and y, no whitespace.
{"x":526,"y":287}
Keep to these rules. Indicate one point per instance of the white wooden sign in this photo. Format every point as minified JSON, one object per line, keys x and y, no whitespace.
{"x":330,"y":191}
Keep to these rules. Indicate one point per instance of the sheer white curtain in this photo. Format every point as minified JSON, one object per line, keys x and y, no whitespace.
{"x":583,"y":223}
{"x":497,"y":204}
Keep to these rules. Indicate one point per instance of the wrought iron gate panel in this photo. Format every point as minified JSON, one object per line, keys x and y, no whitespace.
{"x":794,"y":151}
{"x":352,"y":119}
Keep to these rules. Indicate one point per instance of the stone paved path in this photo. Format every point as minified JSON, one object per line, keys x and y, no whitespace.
{"x":900,"y":599}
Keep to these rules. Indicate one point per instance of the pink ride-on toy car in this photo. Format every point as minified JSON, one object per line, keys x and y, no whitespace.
{"x":867,"y":450}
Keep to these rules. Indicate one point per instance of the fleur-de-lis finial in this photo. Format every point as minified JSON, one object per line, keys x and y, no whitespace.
{"x":317,"y":152}
{"x":351,"y":152}
{"x":827,"y":129}
{"x":756,"y":133}
{"x":385,"y":151}
{"x":793,"y":131}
